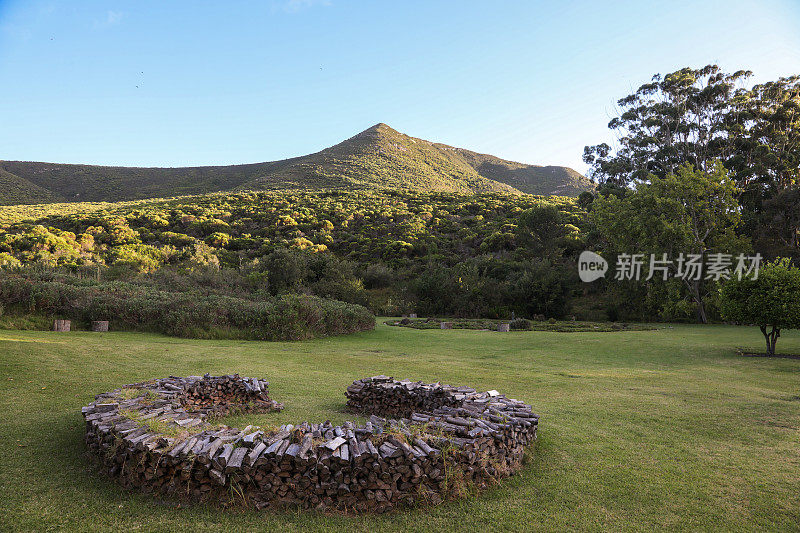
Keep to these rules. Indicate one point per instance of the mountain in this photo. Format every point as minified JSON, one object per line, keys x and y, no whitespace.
{"x":376,"y":157}
{"x":16,"y":190}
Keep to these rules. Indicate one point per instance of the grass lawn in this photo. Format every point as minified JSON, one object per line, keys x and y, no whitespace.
{"x":639,"y":430}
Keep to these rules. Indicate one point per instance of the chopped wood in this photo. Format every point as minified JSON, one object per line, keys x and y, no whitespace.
{"x":417,"y":435}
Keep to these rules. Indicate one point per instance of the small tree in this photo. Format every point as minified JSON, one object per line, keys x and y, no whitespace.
{"x":772,"y":301}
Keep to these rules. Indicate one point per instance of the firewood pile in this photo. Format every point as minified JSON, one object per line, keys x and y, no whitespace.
{"x":157,"y":437}
{"x":219,"y":395}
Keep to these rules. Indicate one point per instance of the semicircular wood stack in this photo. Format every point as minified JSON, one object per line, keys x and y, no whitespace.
{"x":158,"y":436}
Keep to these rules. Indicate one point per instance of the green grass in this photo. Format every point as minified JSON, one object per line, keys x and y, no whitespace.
{"x":647,"y":430}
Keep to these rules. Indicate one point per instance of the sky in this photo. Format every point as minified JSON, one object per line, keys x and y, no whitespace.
{"x":155,"y":83}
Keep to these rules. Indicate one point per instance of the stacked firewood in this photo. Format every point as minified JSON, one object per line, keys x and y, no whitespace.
{"x":155,"y":436}
{"x":219,"y":395}
{"x":382,"y":394}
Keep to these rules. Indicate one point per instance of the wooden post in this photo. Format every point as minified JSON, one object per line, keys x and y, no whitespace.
{"x":99,"y":325}
{"x":61,"y":325}
{"x":446,"y":325}
{"x":504,"y":327}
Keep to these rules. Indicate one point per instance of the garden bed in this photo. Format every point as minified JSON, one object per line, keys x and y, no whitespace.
{"x":486,"y":324}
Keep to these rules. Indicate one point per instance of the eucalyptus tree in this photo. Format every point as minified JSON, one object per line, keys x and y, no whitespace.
{"x":699,"y":117}
{"x":677,"y":119}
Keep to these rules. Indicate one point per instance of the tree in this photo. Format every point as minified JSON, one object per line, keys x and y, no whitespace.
{"x":699,"y":117}
{"x":585,"y":199}
{"x":779,"y":229}
{"x":689,"y":212}
{"x":771,"y":301}
{"x":678,"y":119}
{"x":766,"y":132}
{"x":286,"y":269}
{"x":542,"y":288}
{"x":542,"y":229}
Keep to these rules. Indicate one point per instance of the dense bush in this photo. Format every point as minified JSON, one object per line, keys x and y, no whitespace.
{"x":482,"y":287}
{"x":184,"y":314}
{"x":771,"y":301}
{"x":369,"y":248}
{"x":394,"y":252}
{"x":521,"y":324}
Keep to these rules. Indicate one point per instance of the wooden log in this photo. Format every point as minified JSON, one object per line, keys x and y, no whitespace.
{"x":236,"y":459}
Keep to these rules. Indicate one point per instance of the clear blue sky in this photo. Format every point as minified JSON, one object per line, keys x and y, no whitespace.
{"x":172,"y":83}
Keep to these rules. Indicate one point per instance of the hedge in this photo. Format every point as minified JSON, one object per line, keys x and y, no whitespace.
{"x":141,"y":308}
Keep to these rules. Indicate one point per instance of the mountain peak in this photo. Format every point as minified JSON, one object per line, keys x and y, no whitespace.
{"x":380,"y":128}
{"x":378,"y":157}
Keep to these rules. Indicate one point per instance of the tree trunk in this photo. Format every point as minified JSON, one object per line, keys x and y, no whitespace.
{"x":701,"y":308}
{"x":771,"y":338}
{"x":775,"y":334}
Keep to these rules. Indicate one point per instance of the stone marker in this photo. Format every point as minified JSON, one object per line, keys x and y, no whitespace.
{"x":412,"y":315}
{"x":99,"y":325}
{"x":446,"y":325}
{"x":505,"y":327}
{"x":61,"y":325}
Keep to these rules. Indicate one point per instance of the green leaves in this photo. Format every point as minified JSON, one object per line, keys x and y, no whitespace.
{"x":771,"y":300}
{"x":690,"y":211}
{"x":705,"y":117}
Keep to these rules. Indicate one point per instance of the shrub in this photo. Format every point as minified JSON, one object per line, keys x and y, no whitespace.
{"x":521,"y":324}
{"x":772,"y":300}
{"x":183,"y":314}
{"x":218,"y":239}
{"x":378,"y":276}
{"x":8,"y":261}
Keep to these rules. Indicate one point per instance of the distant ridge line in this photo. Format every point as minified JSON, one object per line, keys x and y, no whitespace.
{"x":378,"y":157}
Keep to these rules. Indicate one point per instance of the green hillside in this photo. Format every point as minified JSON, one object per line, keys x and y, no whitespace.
{"x":531,"y":179}
{"x":377,"y":157}
{"x":384,"y":157}
{"x":436,"y":253}
{"x":16,"y":190}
